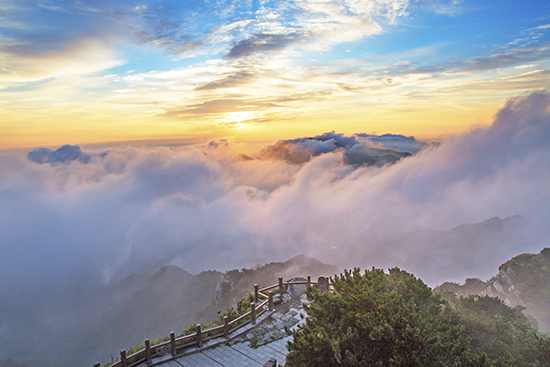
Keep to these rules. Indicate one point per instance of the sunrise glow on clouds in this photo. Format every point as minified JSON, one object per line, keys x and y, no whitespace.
{"x":98,"y":71}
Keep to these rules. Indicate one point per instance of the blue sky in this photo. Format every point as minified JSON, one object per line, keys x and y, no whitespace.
{"x":95,"y":71}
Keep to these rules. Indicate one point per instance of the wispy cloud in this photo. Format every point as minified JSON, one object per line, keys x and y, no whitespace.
{"x":260,"y":43}
{"x":231,"y":80}
{"x":41,"y":31}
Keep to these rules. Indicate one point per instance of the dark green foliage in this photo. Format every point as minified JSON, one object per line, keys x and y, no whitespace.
{"x":394,"y":319}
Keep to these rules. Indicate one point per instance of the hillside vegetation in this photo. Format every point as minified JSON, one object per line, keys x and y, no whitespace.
{"x":394,"y":319}
{"x":522,"y":281}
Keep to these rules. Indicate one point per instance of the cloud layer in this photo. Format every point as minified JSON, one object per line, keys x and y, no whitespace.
{"x":73,"y":221}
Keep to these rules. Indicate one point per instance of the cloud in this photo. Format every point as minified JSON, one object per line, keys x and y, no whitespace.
{"x":220,"y":106}
{"x":308,"y":25}
{"x":499,"y":59}
{"x":359,"y":149}
{"x":63,"y":154}
{"x":237,"y":78}
{"x":259,"y":43}
{"x":244,"y":29}
{"x":446,"y":7}
{"x":171,"y":26}
{"x":395,"y":141}
{"x":49,"y":39}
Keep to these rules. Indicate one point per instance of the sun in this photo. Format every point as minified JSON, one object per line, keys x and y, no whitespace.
{"x":238,"y":120}
{"x":240,"y":125}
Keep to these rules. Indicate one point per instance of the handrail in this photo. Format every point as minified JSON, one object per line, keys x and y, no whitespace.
{"x":300,"y":282}
{"x":200,"y":336}
{"x":268,"y":288}
{"x":242,"y":317}
{"x":263,"y":303}
{"x":215,"y":328}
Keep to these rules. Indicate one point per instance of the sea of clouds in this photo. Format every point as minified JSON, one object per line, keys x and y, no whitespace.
{"x":74,"y":221}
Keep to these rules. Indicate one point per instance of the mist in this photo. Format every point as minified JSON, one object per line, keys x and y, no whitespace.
{"x":75,"y":221}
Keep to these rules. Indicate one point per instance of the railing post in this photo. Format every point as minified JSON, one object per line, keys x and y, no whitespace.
{"x":270,"y":302}
{"x":148,"y":351}
{"x":199,"y":335}
{"x":123,"y":360}
{"x":308,"y":280}
{"x":256,"y":293}
{"x":253,"y":313}
{"x":226,"y":327}
{"x":281,"y":285}
{"x":173,"y":343}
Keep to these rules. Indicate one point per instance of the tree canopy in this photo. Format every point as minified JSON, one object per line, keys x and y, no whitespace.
{"x":394,"y":319}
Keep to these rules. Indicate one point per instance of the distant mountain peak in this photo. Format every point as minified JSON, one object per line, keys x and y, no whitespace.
{"x":170,"y":271}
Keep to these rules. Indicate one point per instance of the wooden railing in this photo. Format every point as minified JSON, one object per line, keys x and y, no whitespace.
{"x":176,"y":346}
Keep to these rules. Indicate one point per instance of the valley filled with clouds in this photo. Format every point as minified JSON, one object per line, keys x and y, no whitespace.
{"x":74,"y":221}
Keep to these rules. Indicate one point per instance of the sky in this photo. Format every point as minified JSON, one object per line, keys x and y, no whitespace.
{"x":180,"y":72}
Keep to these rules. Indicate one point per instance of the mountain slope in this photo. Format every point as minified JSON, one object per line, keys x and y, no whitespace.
{"x":172,"y":299}
{"x":522,"y":281}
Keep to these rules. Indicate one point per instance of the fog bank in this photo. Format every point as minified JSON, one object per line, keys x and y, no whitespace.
{"x":73,"y":222}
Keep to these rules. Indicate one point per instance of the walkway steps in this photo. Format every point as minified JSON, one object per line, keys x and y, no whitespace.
{"x":237,"y":355}
{"x":166,"y":359}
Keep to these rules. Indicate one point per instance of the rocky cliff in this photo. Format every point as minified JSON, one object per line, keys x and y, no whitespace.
{"x":522,"y":281}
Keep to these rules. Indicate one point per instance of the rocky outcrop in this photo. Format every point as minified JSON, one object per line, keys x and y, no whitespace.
{"x":522,"y":281}
{"x":288,"y":316}
{"x":224,"y":288}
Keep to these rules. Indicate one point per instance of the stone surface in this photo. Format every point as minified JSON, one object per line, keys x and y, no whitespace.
{"x":296,"y":290}
{"x":268,"y":340}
